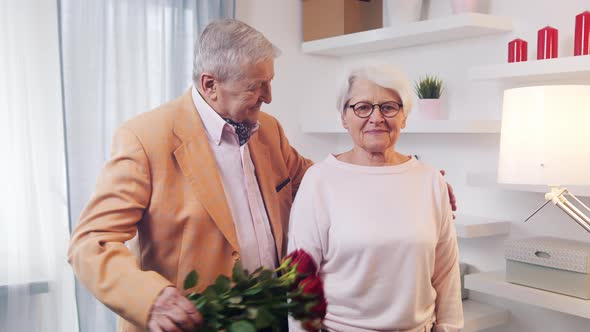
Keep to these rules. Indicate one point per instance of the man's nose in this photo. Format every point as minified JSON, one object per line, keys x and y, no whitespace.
{"x":266,"y":94}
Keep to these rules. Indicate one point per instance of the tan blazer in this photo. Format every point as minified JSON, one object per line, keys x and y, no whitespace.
{"x":162,"y":184}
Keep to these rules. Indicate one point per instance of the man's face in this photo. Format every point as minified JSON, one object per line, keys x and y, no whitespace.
{"x":240,"y":99}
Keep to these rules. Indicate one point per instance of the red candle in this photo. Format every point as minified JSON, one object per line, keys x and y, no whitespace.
{"x":547,"y":43}
{"x":582,"y":35}
{"x":517,"y":50}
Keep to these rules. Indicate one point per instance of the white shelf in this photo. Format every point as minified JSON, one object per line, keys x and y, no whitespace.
{"x":490,"y":180}
{"x":568,"y":68}
{"x":479,"y":316}
{"x":420,"y":127}
{"x":424,"y":32}
{"x":473,"y":227}
{"x":494,"y":283}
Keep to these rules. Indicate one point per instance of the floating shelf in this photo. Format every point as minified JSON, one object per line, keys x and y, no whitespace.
{"x":469,"y":227}
{"x":568,"y":68}
{"x":489,"y":180}
{"x":494,"y":283}
{"x":423,"y":32}
{"x":421,"y":127}
{"x":479,"y":316}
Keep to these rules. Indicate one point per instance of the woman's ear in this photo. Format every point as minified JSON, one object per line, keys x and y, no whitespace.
{"x":343,"y":118}
{"x":405,"y":119}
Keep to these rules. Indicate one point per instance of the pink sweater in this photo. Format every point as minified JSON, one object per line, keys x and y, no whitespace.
{"x":385,"y":241}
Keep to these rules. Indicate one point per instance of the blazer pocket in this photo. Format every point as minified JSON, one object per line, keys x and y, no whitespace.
{"x":283,"y":184}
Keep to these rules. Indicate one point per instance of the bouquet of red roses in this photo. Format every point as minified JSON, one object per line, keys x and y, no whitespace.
{"x":262,"y":299}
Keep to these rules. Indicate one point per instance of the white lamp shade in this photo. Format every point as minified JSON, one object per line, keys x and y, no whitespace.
{"x":545,"y":136}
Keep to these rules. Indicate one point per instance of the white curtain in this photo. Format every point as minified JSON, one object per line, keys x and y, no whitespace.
{"x":36,"y":283}
{"x":120,"y":58}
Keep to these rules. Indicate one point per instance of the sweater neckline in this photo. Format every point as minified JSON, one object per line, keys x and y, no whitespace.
{"x":400,"y":168}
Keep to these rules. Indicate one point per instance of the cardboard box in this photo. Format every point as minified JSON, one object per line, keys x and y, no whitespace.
{"x":329,"y":18}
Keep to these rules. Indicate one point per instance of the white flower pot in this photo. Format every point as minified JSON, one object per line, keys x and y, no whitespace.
{"x":470,"y":6}
{"x":399,"y":12}
{"x":430,"y":109}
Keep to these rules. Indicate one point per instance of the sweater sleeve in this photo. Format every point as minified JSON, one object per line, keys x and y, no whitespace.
{"x":308,"y":225}
{"x":296,"y":164}
{"x":446,"y":278}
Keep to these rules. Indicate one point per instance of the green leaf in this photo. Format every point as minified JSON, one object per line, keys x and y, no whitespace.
{"x":238,"y":273}
{"x":208,"y":329}
{"x":251,"y":313}
{"x":222,"y":284}
{"x":237,"y":306}
{"x":215,"y":306}
{"x":191,"y":280}
{"x":258,"y":270}
{"x":241,"y":326}
{"x":263,"y":319}
{"x":200,"y":303}
{"x":210,"y":293}
{"x":429,"y":87}
{"x":266,"y":275}
{"x":235,"y":299}
{"x":252,"y":291}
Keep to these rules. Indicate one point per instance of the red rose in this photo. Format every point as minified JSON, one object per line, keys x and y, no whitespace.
{"x":302,"y":262}
{"x":292,"y":255}
{"x":312,"y":325}
{"x":319,"y":310}
{"x":312,"y":286}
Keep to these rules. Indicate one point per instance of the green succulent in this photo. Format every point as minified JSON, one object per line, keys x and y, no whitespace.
{"x":429,"y":87}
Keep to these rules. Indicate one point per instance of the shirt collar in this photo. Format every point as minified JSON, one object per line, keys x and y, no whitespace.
{"x":214,"y":124}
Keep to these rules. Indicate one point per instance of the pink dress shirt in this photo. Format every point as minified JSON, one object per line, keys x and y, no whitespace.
{"x":257,"y":245}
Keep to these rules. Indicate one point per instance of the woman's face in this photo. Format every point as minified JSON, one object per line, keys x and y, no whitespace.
{"x":376,"y":133}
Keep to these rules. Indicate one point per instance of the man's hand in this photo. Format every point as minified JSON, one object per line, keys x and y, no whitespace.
{"x":452,"y":198}
{"x":172,"y":312}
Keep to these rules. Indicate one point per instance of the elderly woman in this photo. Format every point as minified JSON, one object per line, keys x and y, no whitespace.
{"x":378,"y":222}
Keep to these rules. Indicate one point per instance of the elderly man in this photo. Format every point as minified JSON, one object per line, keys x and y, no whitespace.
{"x":203,"y":181}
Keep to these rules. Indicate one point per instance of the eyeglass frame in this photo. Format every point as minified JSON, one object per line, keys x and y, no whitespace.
{"x":401,"y":106}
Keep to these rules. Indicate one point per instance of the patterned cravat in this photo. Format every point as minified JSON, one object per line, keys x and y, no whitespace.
{"x":243,"y":130}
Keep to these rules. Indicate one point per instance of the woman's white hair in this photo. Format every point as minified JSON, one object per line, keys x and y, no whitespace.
{"x":225,"y":45}
{"x":384,"y":75}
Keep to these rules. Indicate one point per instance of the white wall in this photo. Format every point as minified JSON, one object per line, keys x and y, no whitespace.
{"x":304,"y":90}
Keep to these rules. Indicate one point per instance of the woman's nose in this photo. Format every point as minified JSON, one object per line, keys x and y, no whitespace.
{"x":377,"y":116}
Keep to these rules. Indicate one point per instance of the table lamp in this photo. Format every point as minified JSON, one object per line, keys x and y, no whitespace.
{"x":545,"y":140}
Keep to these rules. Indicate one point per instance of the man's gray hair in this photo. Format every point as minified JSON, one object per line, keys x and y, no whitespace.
{"x":383,"y":75}
{"x":225,"y":45}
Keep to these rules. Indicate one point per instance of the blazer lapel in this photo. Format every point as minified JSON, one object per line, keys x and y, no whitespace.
{"x":261,"y":159}
{"x":196,"y":160}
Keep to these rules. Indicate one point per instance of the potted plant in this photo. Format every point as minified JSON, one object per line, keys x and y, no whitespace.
{"x":429,"y":89}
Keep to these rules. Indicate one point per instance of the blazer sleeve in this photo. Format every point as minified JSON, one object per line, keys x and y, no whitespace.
{"x":97,"y":249}
{"x":296,"y":163}
{"x":446,"y":279}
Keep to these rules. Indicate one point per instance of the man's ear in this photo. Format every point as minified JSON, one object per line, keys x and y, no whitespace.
{"x":208,"y":85}
{"x":404,"y":120}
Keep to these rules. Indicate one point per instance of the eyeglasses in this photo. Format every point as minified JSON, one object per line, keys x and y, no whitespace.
{"x":389,"y":109}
